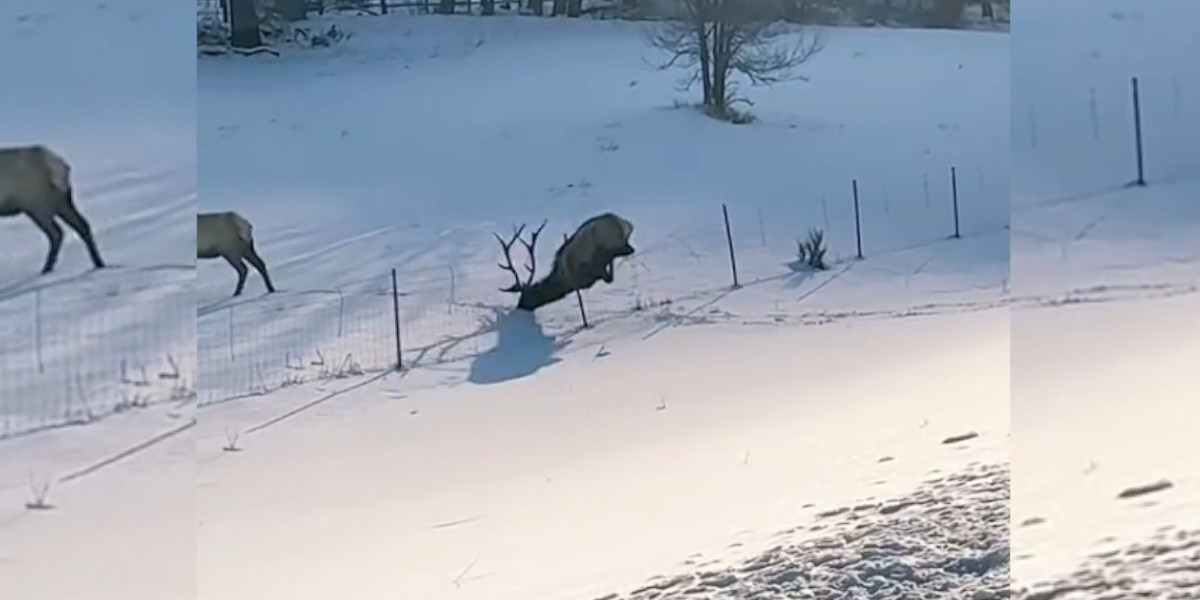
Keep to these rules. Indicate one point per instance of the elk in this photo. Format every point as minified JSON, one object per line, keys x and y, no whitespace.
{"x":37,"y":182}
{"x":228,"y":235}
{"x":583,"y":259}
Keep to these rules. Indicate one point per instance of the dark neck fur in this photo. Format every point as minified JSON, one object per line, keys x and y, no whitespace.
{"x":552,"y":288}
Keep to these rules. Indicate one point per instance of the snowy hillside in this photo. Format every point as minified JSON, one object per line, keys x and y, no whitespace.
{"x":438,"y":140}
{"x":1103,"y":399}
{"x":111,"y":87}
{"x":524,"y":457}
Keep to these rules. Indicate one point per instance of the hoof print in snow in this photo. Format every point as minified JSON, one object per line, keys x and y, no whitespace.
{"x":978,"y":565}
{"x":1032,"y":521}
{"x":958,"y":439}
{"x":607,"y":144}
{"x":1142,"y":490}
{"x":895,"y":507}
{"x":886,"y":459}
{"x":834,"y":512}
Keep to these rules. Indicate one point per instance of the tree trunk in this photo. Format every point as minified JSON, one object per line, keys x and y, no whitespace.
{"x":560,"y":7}
{"x":702,"y":39}
{"x":536,"y":7}
{"x":244,"y":24}
{"x":445,"y":7}
{"x":988,"y":11}
{"x":574,"y":8}
{"x":489,"y":7}
{"x":720,"y":67}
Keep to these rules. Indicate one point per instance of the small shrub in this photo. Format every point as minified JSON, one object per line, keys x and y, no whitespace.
{"x":231,"y":441}
{"x":811,"y":252}
{"x":38,"y":492}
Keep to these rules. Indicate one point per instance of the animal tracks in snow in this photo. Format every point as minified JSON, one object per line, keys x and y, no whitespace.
{"x":1166,"y":566}
{"x":949,"y":539}
{"x":1098,"y":294}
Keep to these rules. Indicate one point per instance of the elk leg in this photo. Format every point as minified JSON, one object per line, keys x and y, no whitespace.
{"x":54,"y":233}
{"x":260,"y":266}
{"x":238,"y":266}
{"x":76,"y":221}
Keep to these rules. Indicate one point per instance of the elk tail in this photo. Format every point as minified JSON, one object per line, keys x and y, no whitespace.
{"x":245,"y":231}
{"x":58,"y":170}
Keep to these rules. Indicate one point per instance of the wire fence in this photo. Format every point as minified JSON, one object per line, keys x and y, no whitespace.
{"x":76,"y":353}
{"x":1134,"y":130}
{"x":255,"y":345}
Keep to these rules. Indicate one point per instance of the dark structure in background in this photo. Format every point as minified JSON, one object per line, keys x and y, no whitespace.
{"x":243,"y":24}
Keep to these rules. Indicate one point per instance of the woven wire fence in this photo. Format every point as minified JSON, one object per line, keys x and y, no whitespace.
{"x":251,"y":347}
{"x":63,"y":361}
{"x":1131,"y":129}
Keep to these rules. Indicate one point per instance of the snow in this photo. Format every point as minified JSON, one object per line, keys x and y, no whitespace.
{"x":110,"y":87}
{"x":525,"y":457}
{"x":1102,"y":383}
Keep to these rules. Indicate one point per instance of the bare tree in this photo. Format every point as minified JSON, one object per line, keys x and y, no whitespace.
{"x":716,"y":39}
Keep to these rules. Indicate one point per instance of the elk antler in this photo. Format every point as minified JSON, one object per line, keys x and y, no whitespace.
{"x":531,"y":266}
{"x":530,"y":247}
{"x":507,"y":247}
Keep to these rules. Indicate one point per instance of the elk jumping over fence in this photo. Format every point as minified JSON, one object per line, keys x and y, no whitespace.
{"x":228,"y":235}
{"x":37,"y":182}
{"x":583,"y":259}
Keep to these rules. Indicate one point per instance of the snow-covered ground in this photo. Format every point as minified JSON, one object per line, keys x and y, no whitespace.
{"x":1104,"y":384}
{"x":523,"y":457}
{"x":512,"y":134}
{"x":111,"y":87}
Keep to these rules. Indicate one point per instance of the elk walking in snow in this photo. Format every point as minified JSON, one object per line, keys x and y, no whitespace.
{"x":583,"y":259}
{"x":228,"y":235}
{"x":37,"y":182}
